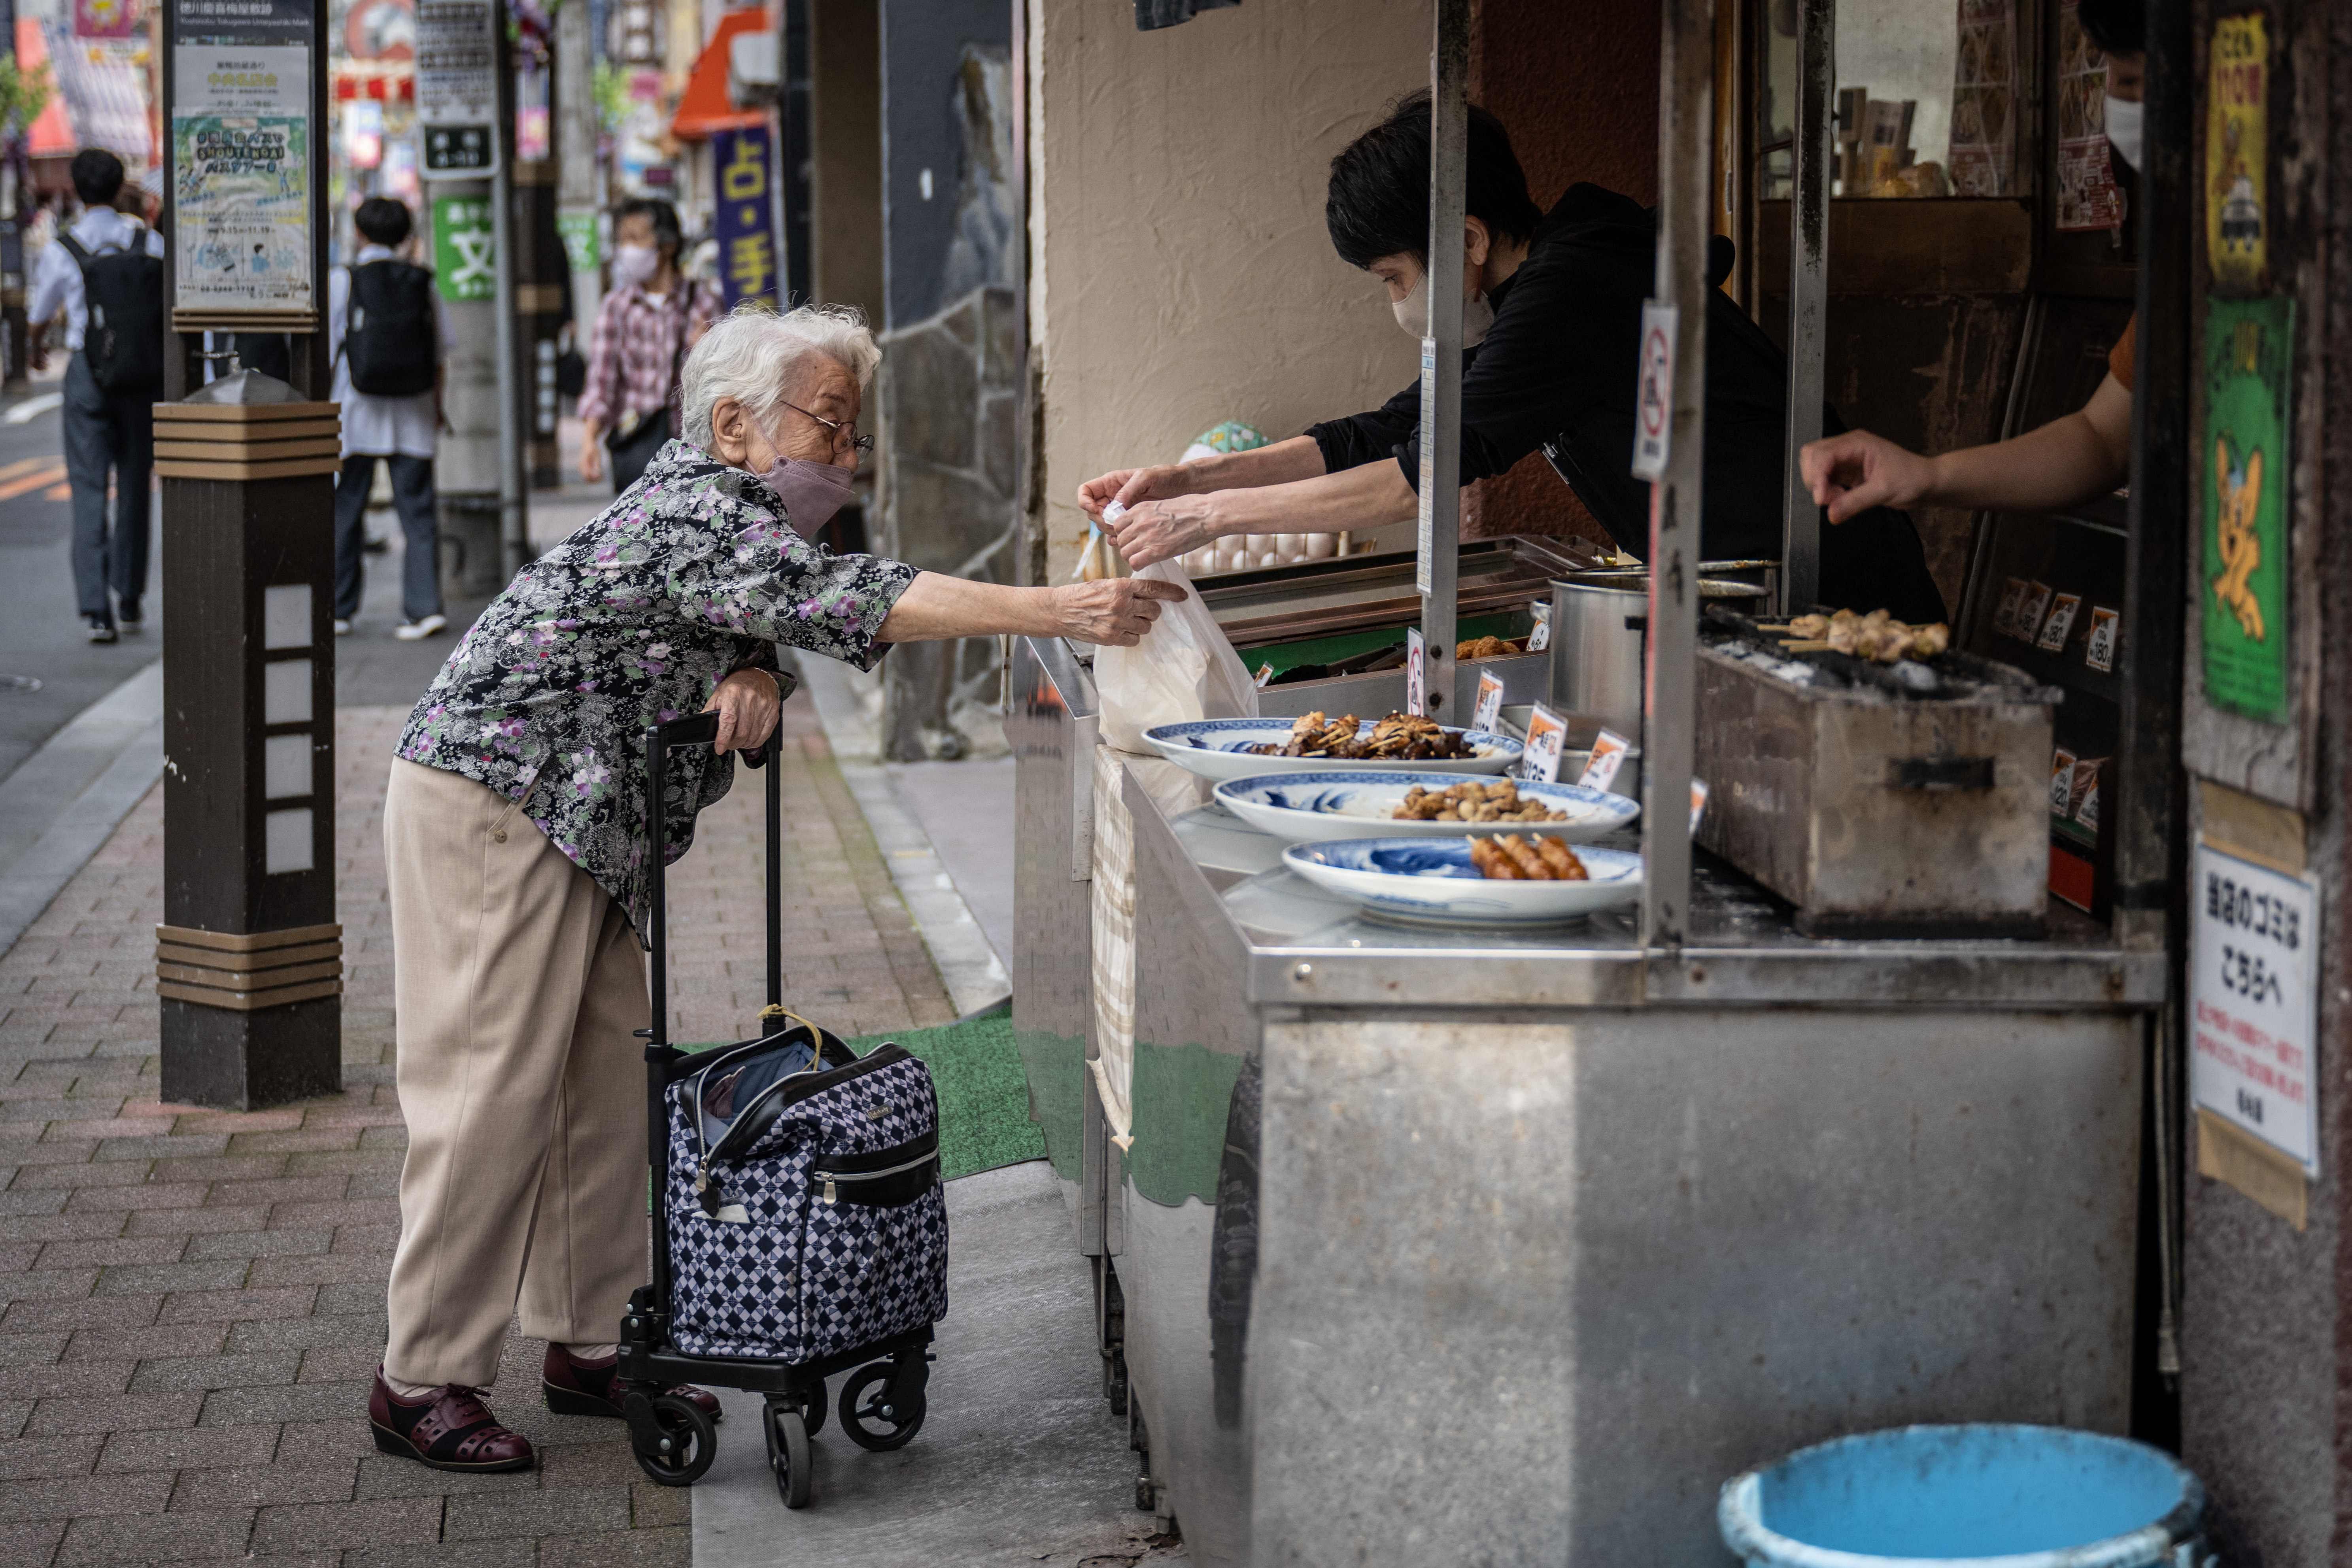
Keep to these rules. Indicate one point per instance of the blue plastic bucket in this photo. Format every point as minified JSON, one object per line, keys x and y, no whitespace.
{"x":1977,"y":1496}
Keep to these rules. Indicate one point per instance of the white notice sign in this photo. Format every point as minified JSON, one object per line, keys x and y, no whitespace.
{"x":2254,"y":1005}
{"x":457,"y":87}
{"x":1653,"y":397}
{"x":1416,"y":672}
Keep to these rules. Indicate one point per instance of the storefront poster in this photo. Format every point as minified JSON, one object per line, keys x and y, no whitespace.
{"x":2088,"y":197}
{"x":2249,"y":361}
{"x":2255,"y":1002}
{"x":465,"y":251}
{"x":745,"y":215}
{"x":2237,"y":155}
{"x":1984,"y":100}
{"x":104,"y":19}
{"x":241,"y":169}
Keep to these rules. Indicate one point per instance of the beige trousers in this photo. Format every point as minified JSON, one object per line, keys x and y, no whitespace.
{"x":518,"y":985}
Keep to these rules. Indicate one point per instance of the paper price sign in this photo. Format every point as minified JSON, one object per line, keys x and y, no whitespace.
{"x":1490,"y":702}
{"x":2099,"y":652}
{"x":1699,"y":805}
{"x":1539,"y":634}
{"x":1416,"y":673}
{"x":2252,"y":1002}
{"x":1653,"y":394}
{"x":1547,"y":736}
{"x":1609,"y":749}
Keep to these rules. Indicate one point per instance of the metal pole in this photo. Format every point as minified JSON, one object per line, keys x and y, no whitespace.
{"x":1440,"y":557}
{"x":1810,"y":155}
{"x":513,"y":535}
{"x":1685,"y":114}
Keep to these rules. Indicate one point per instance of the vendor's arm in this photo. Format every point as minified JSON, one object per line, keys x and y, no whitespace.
{"x":2068,"y":461}
{"x":1296,"y":458}
{"x":1359,"y":497}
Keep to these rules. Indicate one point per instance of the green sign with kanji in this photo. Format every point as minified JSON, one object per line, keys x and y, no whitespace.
{"x":465,"y":259}
{"x":578,"y":232}
{"x":2242,"y":590}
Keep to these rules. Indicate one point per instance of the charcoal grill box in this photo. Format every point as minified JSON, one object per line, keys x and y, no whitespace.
{"x":1879,"y":814}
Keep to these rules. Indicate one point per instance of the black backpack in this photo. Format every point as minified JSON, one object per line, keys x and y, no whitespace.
{"x":389,"y":335}
{"x":123,"y":343}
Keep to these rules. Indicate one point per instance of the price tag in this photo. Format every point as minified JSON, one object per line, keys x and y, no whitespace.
{"x":2061,"y":622}
{"x":2061,"y":783}
{"x":1654,"y":394}
{"x":1698,"y":804}
{"x":1547,"y":735}
{"x":1264,"y":674}
{"x":2004,"y":614}
{"x":1609,"y":749}
{"x":1490,"y":702}
{"x":2030,"y":610}
{"x":2107,"y":628}
{"x":1539,"y":634}
{"x":2253,"y":1003}
{"x":1416,"y":672}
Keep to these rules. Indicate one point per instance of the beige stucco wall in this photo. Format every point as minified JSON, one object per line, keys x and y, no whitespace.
{"x":1179,"y":273}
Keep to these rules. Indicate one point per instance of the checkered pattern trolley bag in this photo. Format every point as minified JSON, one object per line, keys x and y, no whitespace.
{"x":799,"y":1225}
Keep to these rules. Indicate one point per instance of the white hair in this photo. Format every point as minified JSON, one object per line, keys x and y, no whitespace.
{"x":752,"y":356}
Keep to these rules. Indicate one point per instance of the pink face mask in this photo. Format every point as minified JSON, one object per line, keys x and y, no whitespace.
{"x":811,"y":492}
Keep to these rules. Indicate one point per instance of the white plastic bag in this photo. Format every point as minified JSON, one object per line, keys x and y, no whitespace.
{"x":1183,"y":670}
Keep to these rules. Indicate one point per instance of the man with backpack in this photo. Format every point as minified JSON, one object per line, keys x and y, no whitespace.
{"x":387,"y":337}
{"x":105,"y":277}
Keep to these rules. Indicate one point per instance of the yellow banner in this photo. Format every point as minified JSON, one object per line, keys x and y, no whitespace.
{"x":2237,"y":154}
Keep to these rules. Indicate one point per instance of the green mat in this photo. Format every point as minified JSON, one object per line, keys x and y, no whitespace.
{"x":983,"y":1094}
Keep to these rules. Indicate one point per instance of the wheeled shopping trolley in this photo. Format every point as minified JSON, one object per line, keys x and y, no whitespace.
{"x":798,"y":1222}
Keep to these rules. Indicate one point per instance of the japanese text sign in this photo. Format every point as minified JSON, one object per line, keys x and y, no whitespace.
{"x":745,"y":214}
{"x":2254,"y":1005}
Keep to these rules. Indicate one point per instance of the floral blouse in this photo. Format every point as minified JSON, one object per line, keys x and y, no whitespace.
{"x":690,"y":575}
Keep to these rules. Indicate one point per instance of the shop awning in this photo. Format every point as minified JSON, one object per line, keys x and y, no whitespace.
{"x":705,"y":107}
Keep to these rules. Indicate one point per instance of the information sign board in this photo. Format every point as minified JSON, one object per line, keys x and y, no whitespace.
{"x":457,"y":87}
{"x":2253,"y":1002}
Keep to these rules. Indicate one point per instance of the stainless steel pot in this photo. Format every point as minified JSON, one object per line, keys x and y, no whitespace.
{"x":1600,"y":640}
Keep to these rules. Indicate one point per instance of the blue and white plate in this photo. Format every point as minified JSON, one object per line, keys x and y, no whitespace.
{"x":1357,"y":804}
{"x":1219,"y":749}
{"x":1434,"y":881}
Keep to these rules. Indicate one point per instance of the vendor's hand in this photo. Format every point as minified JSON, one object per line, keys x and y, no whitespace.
{"x":1113,"y":613}
{"x":1130,"y":486}
{"x":1163,"y":530}
{"x":747,"y":703}
{"x":1851,"y":473}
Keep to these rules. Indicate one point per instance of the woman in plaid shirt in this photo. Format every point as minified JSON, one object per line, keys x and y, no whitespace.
{"x":653,"y":316}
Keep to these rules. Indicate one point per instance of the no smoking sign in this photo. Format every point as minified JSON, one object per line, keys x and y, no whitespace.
{"x":1653,"y":401}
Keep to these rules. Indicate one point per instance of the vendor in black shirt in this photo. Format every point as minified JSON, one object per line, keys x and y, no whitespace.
{"x":1552,"y":314}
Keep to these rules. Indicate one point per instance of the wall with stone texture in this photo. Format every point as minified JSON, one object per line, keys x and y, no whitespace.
{"x":1179,"y":273}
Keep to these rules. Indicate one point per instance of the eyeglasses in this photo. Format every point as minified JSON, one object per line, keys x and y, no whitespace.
{"x":856,"y":443}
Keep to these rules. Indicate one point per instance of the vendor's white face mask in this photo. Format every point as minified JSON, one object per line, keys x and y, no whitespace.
{"x":1412,"y":313}
{"x":2124,"y":123}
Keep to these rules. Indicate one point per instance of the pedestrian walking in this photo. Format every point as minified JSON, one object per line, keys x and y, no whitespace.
{"x":643,"y":329}
{"x":104,"y":279}
{"x":387,"y":336}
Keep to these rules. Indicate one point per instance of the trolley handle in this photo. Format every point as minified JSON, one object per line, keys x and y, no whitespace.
{"x":694,"y":729}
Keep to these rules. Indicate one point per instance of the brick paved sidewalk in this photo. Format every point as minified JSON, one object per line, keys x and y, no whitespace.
{"x":195,"y":1300}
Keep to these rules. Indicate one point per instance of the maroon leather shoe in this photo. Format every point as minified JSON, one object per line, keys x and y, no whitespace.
{"x":574,"y":1387}
{"x":448,"y":1428}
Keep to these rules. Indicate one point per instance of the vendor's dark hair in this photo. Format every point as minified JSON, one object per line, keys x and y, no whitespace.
{"x":383,"y":220}
{"x":2117,"y":27}
{"x":97,"y":176}
{"x":668,"y":233}
{"x":1378,"y":203}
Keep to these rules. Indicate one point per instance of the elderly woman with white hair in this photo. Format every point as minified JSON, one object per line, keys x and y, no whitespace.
{"x":514,"y":848}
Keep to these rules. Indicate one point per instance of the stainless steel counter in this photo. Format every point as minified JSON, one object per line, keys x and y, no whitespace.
{"x":1454,"y":1246}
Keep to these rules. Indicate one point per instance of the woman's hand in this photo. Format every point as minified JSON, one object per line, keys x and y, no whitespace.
{"x":1113,"y":613}
{"x":1163,"y":530}
{"x":747,"y":703}
{"x":1130,"y":486}
{"x":1851,"y":473}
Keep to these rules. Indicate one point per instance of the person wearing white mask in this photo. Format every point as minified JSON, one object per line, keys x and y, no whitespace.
{"x":1551,"y":317}
{"x":648,"y":321}
{"x":2073,"y":459}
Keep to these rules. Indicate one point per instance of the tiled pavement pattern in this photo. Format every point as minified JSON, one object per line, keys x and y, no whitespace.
{"x":193,"y":1300}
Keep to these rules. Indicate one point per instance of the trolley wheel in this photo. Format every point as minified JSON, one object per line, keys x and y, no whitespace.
{"x":674,"y":1441}
{"x":866,"y":1414}
{"x":811,"y":1407}
{"x":788,"y":1451}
